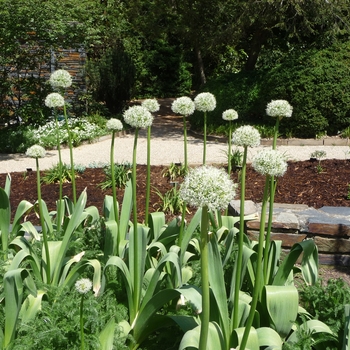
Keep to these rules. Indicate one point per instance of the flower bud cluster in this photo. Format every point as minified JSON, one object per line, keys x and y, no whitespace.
{"x":270,"y":162}
{"x":114,"y":124}
{"x":246,"y":136}
{"x":54,"y":100}
{"x":207,"y":186}
{"x":138,"y":117}
{"x":151,"y":104}
{"x":36,"y":151}
{"x":229,"y":114}
{"x":205,"y":102}
{"x":183,"y":105}
{"x":60,"y":79}
{"x":279,"y":109}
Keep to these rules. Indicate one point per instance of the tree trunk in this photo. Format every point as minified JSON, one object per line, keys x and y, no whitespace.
{"x":203,"y":78}
{"x":259,"y":39}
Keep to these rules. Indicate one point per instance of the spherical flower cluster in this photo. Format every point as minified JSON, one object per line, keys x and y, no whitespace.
{"x":229,"y":114}
{"x":54,"y":100}
{"x":205,"y":102}
{"x":207,"y":186}
{"x":279,"y":109}
{"x":246,"y":136}
{"x":36,"y":151}
{"x":114,"y":124}
{"x":83,"y":285}
{"x":138,"y":117}
{"x":183,"y":105}
{"x":60,"y":79}
{"x":151,"y":104}
{"x":270,"y":162}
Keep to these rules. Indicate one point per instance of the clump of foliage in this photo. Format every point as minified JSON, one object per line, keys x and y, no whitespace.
{"x":52,"y":175}
{"x":174,"y":171}
{"x":326,"y":303}
{"x":122,"y":174}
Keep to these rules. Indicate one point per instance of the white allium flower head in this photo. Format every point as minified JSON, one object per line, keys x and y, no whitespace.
{"x":205,"y":102}
{"x":54,"y":100}
{"x":229,"y":114}
{"x":36,"y":151}
{"x":246,"y":136}
{"x":60,"y":79}
{"x":183,"y":105}
{"x":151,"y":104}
{"x":138,"y":117}
{"x":83,"y":285}
{"x":207,"y":186}
{"x":114,"y":124}
{"x":270,"y":162}
{"x":279,"y":109}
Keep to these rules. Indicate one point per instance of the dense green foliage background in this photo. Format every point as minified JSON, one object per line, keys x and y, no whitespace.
{"x":245,"y":52}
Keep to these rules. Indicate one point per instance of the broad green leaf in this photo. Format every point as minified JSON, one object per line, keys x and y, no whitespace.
{"x":156,"y":224}
{"x":110,"y":243}
{"x":190,"y":229}
{"x":269,"y":337}
{"x":186,"y":323}
{"x":31,"y":306}
{"x":217,"y":286}
{"x":346,"y":337}
{"x":274,"y":256}
{"x":309,"y":263}
{"x":28,"y":227}
{"x":215,"y":338}
{"x":75,"y":220}
{"x":13,"y":291}
{"x":313,"y":327}
{"x":193,"y":296}
{"x":125,"y":211}
{"x":5,"y":219}
{"x":23,"y":208}
{"x":106,"y":336}
{"x":252,"y":342}
{"x":281,"y":303}
{"x":144,"y":323}
{"x":7,"y":187}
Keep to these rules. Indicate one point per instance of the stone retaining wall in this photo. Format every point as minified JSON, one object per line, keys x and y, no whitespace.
{"x":329,"y":227}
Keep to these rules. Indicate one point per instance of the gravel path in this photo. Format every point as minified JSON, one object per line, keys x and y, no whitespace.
{"x":166,"y":147}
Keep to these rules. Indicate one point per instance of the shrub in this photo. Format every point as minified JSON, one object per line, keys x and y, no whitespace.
{"x":311,"y":81}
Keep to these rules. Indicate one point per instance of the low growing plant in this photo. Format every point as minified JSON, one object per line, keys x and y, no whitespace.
{"x":52,"y":175}
{"x":174,"y":171}
{"x":319,"y":154}
{"x":122,"y":174}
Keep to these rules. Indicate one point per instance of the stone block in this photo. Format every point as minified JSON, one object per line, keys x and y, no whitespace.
{"x":288,"y":239}
{"x":332,"y":245}
{"x":329,"y":229}
{"x":334,"y":259}
{"x":305,"y":142}
{"x":249,"y":208}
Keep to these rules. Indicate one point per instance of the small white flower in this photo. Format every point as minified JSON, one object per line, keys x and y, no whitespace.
{"x":151,"y":104}
{"x":279,"y":109}
{"x":183,"y":105}
{"x":229,"y":114}
{"x":270,"y":162}
{"x":83,"y":285}
{"x":36,"y":151}
{"x":60,"y":79}
{"x":138,"y":117}
{"x":246,"y":136}
{"x":205,"y":102}
{"x":207,"y":186}
{"x":114,"y":124}
{"x":54,"y":100}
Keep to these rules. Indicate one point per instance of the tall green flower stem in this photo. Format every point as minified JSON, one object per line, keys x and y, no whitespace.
{"x":240,"y":241}
{"x":229,"y":155}
{"x":71,"y":155}
{"x":82,"y":338}
{"x":184,"y":205}
{"x":137,"y":242}
{"x":259,"y":268}
{"x":43,"y":225}
{"x":60,"y":169}
{"x":205,"y":280}
{"x":114,"y":188}
{"x":205,"y":138}
{"x":185,"y":143}
{"x":272,"y":190}
{"x":148,"y":177}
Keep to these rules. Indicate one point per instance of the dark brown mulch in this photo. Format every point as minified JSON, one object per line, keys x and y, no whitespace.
{"x":302,"y":184}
